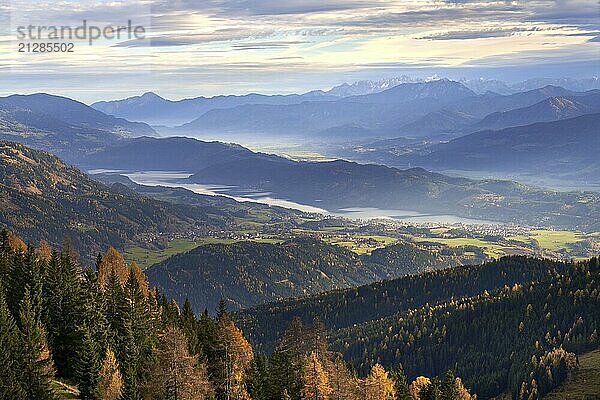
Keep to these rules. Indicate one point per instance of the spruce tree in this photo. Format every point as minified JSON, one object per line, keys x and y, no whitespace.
{"x":88,"y":365}
{"x":449,"y":390}
{"x":63,"y":300}
{"x":35,"y":372}
{"x":400,"y":383}
{"x":10,"y":355}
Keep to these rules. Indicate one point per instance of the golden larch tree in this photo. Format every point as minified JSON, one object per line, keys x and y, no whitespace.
{"x":234,"y":358}
{"x":112,"y":261}
{"x":378,"y":385}
{"x":173,"y":373}
{"x":415,"y":388}
{"x":111,"y":381}
{"x":316,"y":383}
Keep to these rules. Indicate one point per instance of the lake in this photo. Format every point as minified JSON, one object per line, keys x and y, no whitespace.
{"x":173,"y":179}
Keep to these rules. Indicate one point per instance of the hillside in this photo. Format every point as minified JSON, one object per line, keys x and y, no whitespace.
{"x":485,"y":322}
{"x":43,"y":198}
{"x":247,"y":273}
{"x":551,"y":109}
{"x":61,"y":125}
{"x":584,"y":383}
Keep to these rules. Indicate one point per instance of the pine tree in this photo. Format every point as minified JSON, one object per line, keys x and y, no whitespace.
{"x":316,"y":381}
{"x":63,"y":302}
{"x":258,"y":378}
{"x":449,"y":389}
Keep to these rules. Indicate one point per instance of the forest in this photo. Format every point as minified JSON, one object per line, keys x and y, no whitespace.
{"x":67,"y":331}
{"x":510,"y":326}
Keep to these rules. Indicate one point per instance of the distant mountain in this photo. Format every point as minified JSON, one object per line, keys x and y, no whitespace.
{"x":405,"y":102}
{"x":156,"y":110}
{"x":62,"y":125}
{"x":576,"y":85}
{"x":551,"y":109}
{"x":483,"y":85}
{"x":248,"y":273}
{"x":569,"y":146}
{"x":370,"y":86}
{"x":166,"y":154}
{"x":436,"y":122}
{"x":485,"y":104}
{"x":36,"y":186}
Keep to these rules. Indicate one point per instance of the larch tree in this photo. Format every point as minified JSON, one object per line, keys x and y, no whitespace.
{"x":111,"y":382}
{"x":112,"y":262}
{"x":316,"y":381}
{"x":234,"y":357}
{"x":462,"y":393}
{"x":173,"y":373}
{"x":417,"y":386}
{"x":378,"y":385}
{"x":343,"y":383}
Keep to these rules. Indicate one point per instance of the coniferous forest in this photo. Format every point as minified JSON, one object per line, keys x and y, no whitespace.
{"x":103,"y":333}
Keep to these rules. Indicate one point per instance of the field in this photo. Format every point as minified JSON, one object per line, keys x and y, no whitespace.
{"x":550,"y":240}
{"x":147,"y":257}
{"x":584,"y":384}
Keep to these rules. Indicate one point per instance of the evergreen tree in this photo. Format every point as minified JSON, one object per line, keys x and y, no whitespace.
{"x":87,"y":370}
{"x":400,"y":383}
{"x":10,"y":355}
{"x":258,"y":378}
{"x":449,"y":389}
{"x":35,"y":372}
{"x":63,"y":300}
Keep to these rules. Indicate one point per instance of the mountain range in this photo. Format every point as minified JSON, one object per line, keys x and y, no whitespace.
{"x":61,"y":125}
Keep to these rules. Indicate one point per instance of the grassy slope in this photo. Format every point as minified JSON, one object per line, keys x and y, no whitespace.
{"x":584,"y":384}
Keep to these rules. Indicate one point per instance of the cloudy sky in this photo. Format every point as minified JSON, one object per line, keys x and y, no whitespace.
{"x":209,"y":47}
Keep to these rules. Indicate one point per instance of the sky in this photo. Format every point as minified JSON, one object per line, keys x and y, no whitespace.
{"x":211,"y":47}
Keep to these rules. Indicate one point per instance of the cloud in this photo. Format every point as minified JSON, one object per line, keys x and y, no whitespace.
{"x":480,"y":34}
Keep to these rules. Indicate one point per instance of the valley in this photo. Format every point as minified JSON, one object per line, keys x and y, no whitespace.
{"x":389,"y":225}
